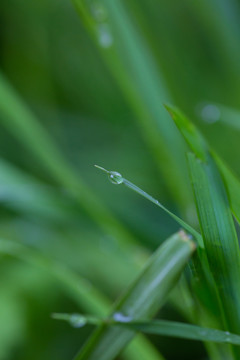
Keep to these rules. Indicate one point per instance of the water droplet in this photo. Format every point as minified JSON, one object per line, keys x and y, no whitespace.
{"x":210,"y":113}
{"x":77,"y":320}
{"x":99,"y":12}
{"x":115,"y":177}
{"x":121,"y":317}
{"x":227,"y":338}
{"x":104,"y":36}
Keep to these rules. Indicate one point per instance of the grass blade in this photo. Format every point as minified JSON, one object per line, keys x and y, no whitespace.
{"x":219,"y":236}
{"x":157,"y":327}
{"x":200,"y":147}
{"x":181,"y":330}
{"x":118,"y":179}
{"x":143,"y":299}
{"x":24,"y":193}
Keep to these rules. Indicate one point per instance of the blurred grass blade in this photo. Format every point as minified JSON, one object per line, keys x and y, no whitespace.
{"x":212,"y":113}
{"x":77,"y":287}
{"x":24,"y":193}
{"x":192,"y":136}
{"x":199,"y":146}
{"x":181,"y":330}
{"x":143,"y":298}
{"x":130,"y":61}
{"x":219,"y":236}
{"x":80,"y":290}
{"x":221,"y":21}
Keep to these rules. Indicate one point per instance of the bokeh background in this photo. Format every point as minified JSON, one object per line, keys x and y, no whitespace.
{"x":97,"y":84}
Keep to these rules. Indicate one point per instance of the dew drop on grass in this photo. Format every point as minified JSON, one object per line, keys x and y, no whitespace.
{"x":104,"y":36}
{"x":227,"y":333}
{"x":99,"y":12}
{"x":210,"y":113}
{"x":115,"y":177}
{"x":121,"y":317}
{"x":77,"y":320}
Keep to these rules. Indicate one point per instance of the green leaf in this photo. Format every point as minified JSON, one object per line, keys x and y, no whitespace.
{"x":200,"y":147}
{"x":219,"y":236}
{"x":181,"y":330}
{"x":143,"y":298}
{"x":156,"y":327}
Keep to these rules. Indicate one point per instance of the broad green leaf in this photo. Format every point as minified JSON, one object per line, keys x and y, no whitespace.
{"x":143,"y":298}
{"x":219,"y":236}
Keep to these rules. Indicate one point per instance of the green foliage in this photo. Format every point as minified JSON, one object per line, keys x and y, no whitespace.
{"x":85,"y":82}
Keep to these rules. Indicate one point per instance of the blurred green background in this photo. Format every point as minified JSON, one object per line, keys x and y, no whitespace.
{"x":97,"y":88}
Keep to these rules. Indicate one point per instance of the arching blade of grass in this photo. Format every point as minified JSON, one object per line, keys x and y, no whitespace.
{"x":200,"y":147}
{"x":143,"y":298}
{"x":219,"y":236}
{"x":131,"y":63}
{"x":118,"y":179}
{"x":79,"y":290}
{"x":24,"y":193}
{"x":157,"y":327}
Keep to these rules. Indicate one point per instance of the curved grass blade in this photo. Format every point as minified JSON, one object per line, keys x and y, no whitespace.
{"x":143,"y":298}
{"x":79,"y":289}
{"x":117,"y":178}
